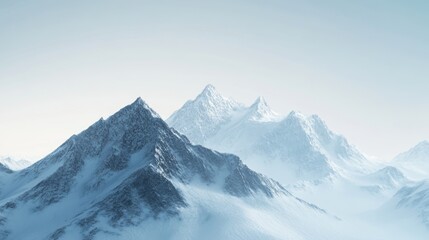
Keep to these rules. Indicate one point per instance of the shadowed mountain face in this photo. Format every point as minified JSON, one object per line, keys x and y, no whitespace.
{"x":119,"y":172}
{"x":4,"y":169}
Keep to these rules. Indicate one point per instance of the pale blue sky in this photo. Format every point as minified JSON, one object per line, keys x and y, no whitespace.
{"x":363,"y":66}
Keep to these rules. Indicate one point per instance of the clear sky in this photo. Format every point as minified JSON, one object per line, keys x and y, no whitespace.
{"x":362,"y":65}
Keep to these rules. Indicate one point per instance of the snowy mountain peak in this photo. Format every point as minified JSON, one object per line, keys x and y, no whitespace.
{"x":200,"y":118}
{"x":209,"y":89}
{"x":296,"y":114}
{"x":260,"y":101}
{"x":419,"y":153}
{"x":14,"y":164}
{"x":210,"y":94}
{"x":260,"y":111}
{"x":296,"y":118}
{"x":211,"y":100}
{"x":258,"y":134}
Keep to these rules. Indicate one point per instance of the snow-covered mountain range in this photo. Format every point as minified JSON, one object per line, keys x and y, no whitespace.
{"x":14,"y":164}
{"x":131,"y":175}
{"x":288,"y":148}
{"x":302,"y":152}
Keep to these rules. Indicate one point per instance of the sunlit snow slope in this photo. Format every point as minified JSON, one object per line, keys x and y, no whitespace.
{"x":288,"y":148}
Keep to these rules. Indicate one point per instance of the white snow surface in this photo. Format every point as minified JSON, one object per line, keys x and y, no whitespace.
{"x":13,"y":163}
{"x":315,"y":163}
{"x":415,"y":161}
{"x":288,"y":148}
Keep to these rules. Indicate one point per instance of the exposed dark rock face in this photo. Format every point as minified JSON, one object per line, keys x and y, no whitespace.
{"x":243,"y":182}
{"x":146,"y":193}
{"x":57,"y":234}
{"x":127,"y":190}
{"x":5,"y":169}
{"x":57,"y":185}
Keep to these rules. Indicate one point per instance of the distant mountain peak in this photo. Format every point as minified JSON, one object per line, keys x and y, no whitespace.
{"x":260,"y":104}
{"x":209,"y":89}
{"x":200,"y":118}
{"x":209,"y":93}
{"x":257,"y":131}
{"x":418,"y":153}
{"x":14,"y":164}
{"x":260,"y":101}
{"x":261,"y":111}
{"x":295,"y":116}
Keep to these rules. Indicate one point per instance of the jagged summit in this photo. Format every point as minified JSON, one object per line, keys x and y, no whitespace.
{"x":200,"y":118}
{"x":256,"y":132}
{"x":260,"y":111}
{"x":211,"y":96}
{"x":296,"y":115}
{"x":140,"y":103}
{"x":208,"y":90}
{"x":419,"y":153}
{"x":260,"y":102}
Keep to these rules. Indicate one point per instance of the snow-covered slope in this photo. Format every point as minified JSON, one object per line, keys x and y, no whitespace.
{"x":14,"y":164}
{"x":387,"y":178}
{"x":411,"y":202}
{"x":201,"y":118}
{"x":415,"y":161}
{"x":131,"y":176}
{"x":288,"y":148}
